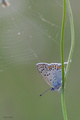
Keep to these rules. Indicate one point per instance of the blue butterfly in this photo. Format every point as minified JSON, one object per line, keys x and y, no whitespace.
{"x":52,"y":74}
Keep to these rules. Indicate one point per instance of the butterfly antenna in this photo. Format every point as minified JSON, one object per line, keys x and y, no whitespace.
{"x":45,"y":92}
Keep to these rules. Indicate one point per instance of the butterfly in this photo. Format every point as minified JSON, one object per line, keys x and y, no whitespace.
{"x":52,"y":74}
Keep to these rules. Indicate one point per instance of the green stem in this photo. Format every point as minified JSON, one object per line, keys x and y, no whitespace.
{"x":62,"y":61}
{"x":72,"y":35}
{"x":63,"y":104}
{"x":62,"y":37}
{"x":70,"y":54}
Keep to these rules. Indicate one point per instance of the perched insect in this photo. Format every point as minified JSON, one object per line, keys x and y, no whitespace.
{"x":52,"y":74}
{"x":5,"y":3}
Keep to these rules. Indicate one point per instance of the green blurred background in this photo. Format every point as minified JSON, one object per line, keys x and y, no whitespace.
{"x":30,"y":33}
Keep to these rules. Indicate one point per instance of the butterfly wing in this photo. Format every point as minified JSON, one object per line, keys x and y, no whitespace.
{"x":43,"y":70}
{"x":51,"y":73}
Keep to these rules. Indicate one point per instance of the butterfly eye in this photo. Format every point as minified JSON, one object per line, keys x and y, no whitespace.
{"x":52,"y":89}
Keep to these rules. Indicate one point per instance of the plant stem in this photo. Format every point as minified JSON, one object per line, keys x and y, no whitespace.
{"x":62,"y":61}
{"x":70,"y":54}
{"x":72,"y":36}
{"x":63,"y":104}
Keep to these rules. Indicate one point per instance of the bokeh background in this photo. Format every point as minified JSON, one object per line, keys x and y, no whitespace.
{"x":30,"y":33}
